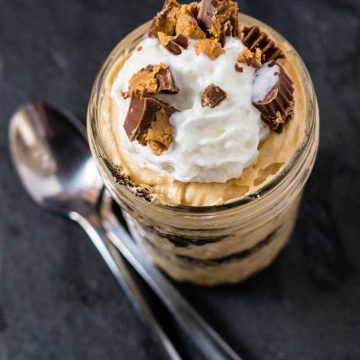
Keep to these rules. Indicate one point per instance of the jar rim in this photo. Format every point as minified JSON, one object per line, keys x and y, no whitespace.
{"x":98,"y":150}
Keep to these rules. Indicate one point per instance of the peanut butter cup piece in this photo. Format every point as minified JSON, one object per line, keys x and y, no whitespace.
{"x":169,"y":110}
{"x":238,"y":68}
{"x":254,"y":39}
{"x":159,"y":135}
{"x":209,"y":47}
{"x":152,"y":80}
{"x":181,"y":40}
{"x":166,"y":82}
{"x":145,"y":81}
{"x":212,"y":96}
{"x":165,"y":20}
{"x":187,"y":24}
{"x":219,"y":18}
{"x":141,"y":114}
{"x":174,"y":44}
{"x":250,"y":58}
{"x":278,"y":105}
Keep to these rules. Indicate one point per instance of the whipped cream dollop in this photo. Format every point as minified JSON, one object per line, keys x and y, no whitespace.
{"x":210,"y":144}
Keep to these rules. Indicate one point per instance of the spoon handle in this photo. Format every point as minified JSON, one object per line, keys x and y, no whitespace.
{"x":203,"y":335}
{"x":92,"y":225}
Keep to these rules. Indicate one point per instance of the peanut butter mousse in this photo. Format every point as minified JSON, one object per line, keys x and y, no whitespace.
{"x":204,"y":111}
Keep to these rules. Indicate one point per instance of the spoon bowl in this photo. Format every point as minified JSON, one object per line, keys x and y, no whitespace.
{"x":53,"y":159}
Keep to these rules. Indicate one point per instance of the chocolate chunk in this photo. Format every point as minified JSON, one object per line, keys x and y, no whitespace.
{"x":182,"y":40}
{"x":239,"y":68}
{"x":254,"y":39}
{"x":230,"y":28}
{"x":166,"y":82}
{"x":212,"y":96}
{"x":159,"y":135}
{"x":142,"y":111}
{"x":125,"y":94}
{"x":173,"y":47}
{"x":219,"y":18}
{"x":207,"y":11}
{"x":174,"y":44}
{"x":169,"y":110}
{"x":278,"y":105}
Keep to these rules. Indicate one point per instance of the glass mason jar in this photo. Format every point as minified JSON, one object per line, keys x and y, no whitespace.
{"x":210,"y":245}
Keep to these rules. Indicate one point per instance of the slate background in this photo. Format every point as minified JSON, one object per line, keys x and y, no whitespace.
{"x":57,"y":298}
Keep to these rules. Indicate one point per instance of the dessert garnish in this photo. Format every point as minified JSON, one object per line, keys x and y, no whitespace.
{"x":212,"y":19}
{"x":187,"y":24}
{"x":239,"y":68}
{"x":255,"y":39}
{"x":219,"y":18}
{"x":165,"y":20}
{"x":278,"y":105}
{"x":141,"y":113}
{"x":147,"y":120}
{"x":149,"y":114}
{"x":212,"y":96}
{"x":159,"y":135}
{"x":202,"y":28}
{"x":152,"y":79}
{"x":209,"y":47}
{"x":166,"y":83}
{"x":174,"y":44}
{"x":250,"y":58}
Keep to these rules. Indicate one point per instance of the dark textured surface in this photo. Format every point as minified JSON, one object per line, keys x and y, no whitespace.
{"x":58,"y":300}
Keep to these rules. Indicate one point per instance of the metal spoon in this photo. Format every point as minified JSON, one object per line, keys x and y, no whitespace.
{"x":54,"y":164}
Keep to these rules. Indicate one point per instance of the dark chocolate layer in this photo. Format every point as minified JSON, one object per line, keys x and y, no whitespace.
{"x":234,"y":257}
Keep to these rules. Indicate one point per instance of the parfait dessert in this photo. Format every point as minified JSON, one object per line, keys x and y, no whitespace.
{"x":204,"y":125}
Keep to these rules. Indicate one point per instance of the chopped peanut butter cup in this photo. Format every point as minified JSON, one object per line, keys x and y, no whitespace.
{"x":212,"y":96}
{"x":174,"y":44}
{"x":212,"y":19}
{"x":219,"y":18}
{"x":141,"y":113}
{"x":159,"y":135}
{"x":187,"y":24}
{"x":166,"y":82}
{"x":152,"y":80}
{"x":165,"y":20}
{"x":239,"y":68}
{"x":147,"y":121}
{"x":209,"y":47}
{"x":254,"y":39}
{"x":278,"y":105}
{"x":250,"y":58}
